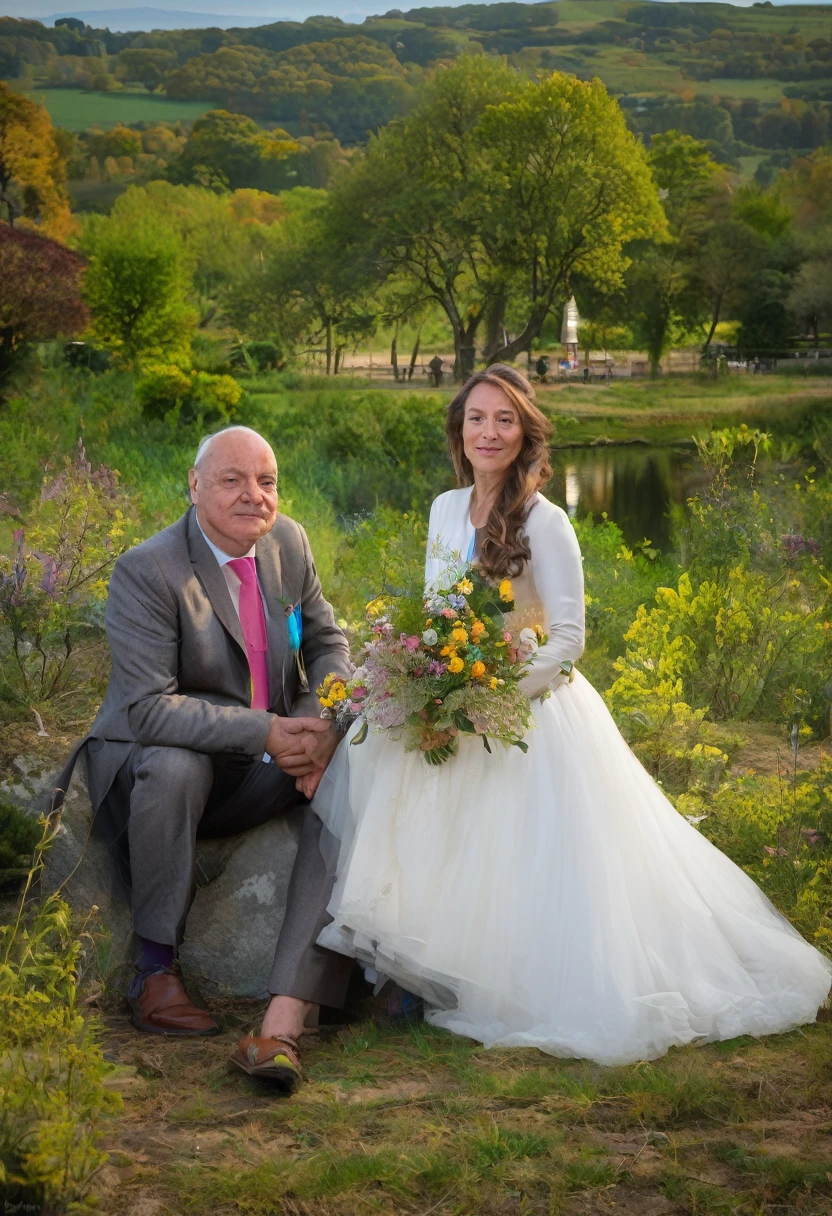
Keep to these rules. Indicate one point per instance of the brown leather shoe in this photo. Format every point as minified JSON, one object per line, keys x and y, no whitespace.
{"x":160,"y":1005}
{"x":276,"y":1059}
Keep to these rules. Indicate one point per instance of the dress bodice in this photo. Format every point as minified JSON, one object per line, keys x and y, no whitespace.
{"x":548,"y":592}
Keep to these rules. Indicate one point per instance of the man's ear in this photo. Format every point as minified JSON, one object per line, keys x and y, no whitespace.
{"x":192,"y":484}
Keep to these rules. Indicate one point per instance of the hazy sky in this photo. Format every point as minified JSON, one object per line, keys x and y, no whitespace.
{"x":234,"y":10}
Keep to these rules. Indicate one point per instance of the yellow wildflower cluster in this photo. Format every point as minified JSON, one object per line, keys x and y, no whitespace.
{"x":376,"y":608}
{"x":506,"y":591}
{"x":332,"y":691}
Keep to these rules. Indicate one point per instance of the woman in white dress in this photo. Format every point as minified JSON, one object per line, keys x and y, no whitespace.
{"x":553,"y":899}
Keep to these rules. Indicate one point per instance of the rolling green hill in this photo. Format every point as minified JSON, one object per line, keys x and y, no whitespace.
{"x":754,"y":82}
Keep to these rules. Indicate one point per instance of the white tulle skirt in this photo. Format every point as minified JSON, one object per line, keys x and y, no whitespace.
{"x":554,"y":899}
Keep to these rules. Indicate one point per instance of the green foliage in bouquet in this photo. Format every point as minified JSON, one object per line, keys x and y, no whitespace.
{"x":457,"y":673}
{"x":53,"y":1093}
{"x":53,"y":583}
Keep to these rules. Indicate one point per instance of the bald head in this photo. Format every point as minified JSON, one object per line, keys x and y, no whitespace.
{"x":234,"y":488}
{"x":211,"y":444}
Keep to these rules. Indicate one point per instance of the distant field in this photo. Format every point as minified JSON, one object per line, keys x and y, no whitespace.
{"x":77,"y":110}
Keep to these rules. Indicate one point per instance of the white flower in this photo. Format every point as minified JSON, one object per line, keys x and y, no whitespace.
{"x":528,"y":640}
{"x":430,"y":637}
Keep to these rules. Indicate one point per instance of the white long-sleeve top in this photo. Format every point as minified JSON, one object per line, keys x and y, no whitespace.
{"x":551,"y":585}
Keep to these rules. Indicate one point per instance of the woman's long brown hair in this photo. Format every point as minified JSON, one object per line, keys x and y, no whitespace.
{"x":504,"y":549}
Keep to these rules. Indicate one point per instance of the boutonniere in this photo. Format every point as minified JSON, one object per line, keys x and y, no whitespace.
{"x":294,"y":625}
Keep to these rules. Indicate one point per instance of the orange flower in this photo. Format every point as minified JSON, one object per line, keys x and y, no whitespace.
{"x":478,"y":670}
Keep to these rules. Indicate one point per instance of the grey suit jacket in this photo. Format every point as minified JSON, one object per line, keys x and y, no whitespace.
{"x":180,"y":677}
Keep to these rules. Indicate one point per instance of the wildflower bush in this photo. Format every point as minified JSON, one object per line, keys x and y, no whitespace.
{"x":53,"y":1093}
{"x":746,"y":630}
{"x":53,"y":583}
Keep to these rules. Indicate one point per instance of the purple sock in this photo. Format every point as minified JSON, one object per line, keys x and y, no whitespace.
{"x":154,"y":954}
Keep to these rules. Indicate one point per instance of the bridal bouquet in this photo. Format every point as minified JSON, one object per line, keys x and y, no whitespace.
{"x":456,"y":672}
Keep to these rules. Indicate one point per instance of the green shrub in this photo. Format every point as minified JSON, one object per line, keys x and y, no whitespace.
{"x":167,"y":392}
{"x":53,"y":1096}
{"x":617,"y":580}
{"x":18,"y":836}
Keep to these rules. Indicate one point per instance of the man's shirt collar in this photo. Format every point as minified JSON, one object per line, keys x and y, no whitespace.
{"x":222,"y":558}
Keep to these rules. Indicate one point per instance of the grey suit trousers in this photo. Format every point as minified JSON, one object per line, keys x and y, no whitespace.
{"x":162,"y":799}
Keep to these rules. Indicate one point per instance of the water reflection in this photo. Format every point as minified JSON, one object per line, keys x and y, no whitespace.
{"x":634,"y":484}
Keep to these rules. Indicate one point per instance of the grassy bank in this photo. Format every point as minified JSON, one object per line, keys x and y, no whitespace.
{"x":413,"y":1120}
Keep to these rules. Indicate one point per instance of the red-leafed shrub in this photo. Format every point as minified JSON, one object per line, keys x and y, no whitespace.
{"x":41,"y":296}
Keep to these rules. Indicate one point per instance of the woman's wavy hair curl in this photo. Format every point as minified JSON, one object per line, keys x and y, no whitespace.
{"x":504,"y":549}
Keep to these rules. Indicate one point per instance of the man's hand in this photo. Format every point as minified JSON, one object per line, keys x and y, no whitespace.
{"x":301,"y":746}
{"x":291,"y":743}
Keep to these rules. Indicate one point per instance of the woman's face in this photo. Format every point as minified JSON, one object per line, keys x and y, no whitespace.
{"x":492,"y":433}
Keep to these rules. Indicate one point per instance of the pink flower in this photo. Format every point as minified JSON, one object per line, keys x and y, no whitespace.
{"x":418,"y":671}
{"x":449,"y":613}
{"x":506,"y":637}
{"x":359,"y":692}
{"x":775,"y":852}
{"x":412,"y":643}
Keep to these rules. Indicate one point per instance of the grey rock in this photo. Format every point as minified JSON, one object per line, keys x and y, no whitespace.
{"x":241,"y":888}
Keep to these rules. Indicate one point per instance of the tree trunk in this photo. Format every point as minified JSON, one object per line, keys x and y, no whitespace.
{"x":494,"y":331}
{"x":415,"y":354}
{"x":531,"y":330}
{"x":339,"y":358}
{"x":394,"y":359}
{"x":714,"y":322}
{"x":328,"y":347}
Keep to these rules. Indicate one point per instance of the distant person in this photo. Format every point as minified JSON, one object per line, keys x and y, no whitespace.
{"x":436,"y":374}
{"x":542,"y":369}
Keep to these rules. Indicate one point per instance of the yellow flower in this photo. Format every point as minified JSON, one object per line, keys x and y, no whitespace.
{"x":464,"y":587}
{"x":447,"y":650}
{"x":338,"y":692}
{"x":375,"y":608}
{"x":477,"y":630}
{"x":506,"y":590}
{"x":327,"y":702}
{"x":459,"y":635}
{"x":456,"y":665}
{"x":478,"y":670}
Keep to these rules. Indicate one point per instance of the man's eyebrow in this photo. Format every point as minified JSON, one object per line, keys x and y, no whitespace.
{"x":242,"y":473}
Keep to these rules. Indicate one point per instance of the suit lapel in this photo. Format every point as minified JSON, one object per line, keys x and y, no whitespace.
{"x":213,"y":582}
{"x":269,"y":572}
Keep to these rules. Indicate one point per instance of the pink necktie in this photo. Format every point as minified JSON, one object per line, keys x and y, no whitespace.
{"x":253,"y":621}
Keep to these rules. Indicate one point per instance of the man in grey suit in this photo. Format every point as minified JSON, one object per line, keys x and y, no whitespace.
{"x":219,"y":634}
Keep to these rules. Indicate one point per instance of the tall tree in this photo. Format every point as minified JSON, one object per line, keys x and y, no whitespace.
{"x":662,"y":301}
{"x":32,"y":169}
{"x":306,"y":289}
{"x":136,"y":288}
{"x":414,"y":201}
{"x":230,"y":150}
{"x":565,"y":185}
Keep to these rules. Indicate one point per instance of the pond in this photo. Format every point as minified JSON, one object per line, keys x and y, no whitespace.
{"x":635,"y":484}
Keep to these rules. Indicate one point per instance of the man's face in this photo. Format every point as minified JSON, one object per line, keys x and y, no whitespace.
{"x":235,"y":491}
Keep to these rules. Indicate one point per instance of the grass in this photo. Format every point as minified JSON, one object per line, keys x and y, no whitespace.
{"x":77,"y":109}
{"x":414,"y":1120}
